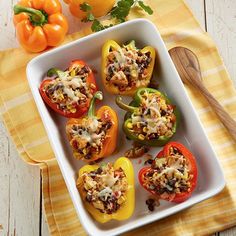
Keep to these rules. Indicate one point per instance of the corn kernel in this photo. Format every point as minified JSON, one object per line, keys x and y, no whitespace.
{"x":121,"y":200}
{"x":72,"y":73}
{"x":141,"y":137}
{"x":145,"y":129}
{"x":129,"y":125}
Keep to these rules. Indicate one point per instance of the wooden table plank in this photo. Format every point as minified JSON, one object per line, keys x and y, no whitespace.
{"x":221,"y":25}
{"x":20,"y":191}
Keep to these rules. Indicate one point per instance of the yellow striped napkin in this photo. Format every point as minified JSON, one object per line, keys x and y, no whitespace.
{"x":178,"y":27}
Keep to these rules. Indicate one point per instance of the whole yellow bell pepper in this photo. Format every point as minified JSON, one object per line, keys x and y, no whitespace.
{"x":127,"y":208}
{"x":99,"y":8}
{"x":130,"y":91}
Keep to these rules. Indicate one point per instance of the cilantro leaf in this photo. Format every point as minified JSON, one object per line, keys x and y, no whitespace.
{"x":118,"y":12}
{"x":90,"y":17}
{"x":145,"y":7}
{"x":85,"y":7}
{"x":121,"y":11}
{"x":97,"y":26}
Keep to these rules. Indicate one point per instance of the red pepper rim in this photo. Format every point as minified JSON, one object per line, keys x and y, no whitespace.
{"x":180,"y":197}
{"x":80,"y":110}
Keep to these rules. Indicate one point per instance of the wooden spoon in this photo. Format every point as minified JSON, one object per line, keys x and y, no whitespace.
{"x":188,"y":67}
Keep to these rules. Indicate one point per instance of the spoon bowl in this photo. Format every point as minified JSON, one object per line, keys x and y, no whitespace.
{"x":187,"y":65}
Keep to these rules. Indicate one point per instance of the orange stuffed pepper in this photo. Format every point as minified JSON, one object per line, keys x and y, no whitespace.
{"x":93,"y":136}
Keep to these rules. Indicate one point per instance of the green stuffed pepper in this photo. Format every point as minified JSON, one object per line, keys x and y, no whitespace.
{"x":151,"y":119}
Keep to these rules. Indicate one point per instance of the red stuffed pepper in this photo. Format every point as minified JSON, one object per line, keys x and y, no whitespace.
{"x":69,"y":92}
{"x":172,"y":175}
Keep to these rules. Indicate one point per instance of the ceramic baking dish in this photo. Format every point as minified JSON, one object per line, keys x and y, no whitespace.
{"x":190,"y":132}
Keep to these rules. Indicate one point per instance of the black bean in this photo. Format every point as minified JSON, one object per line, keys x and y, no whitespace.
{"x":149,"y":161}
{"x":89,"y":197}
{"x":163,"y":113}
{"x":153,"y":136}
{"x":99,"y":170}
{"x":150,"y":201}
{"x":150,"y":207}
{"x":171,"y":182}
{"x":149,"y":174}
{"x":140,"y":53}
{"x":88,"y":156}
{"x":183,"y":188}
{"x":175,"y":150}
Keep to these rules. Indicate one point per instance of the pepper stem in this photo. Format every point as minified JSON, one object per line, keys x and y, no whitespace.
{"x":98,"y":95}
{"x":54,"y":71}
{"x":37,"y":17}
{"x":124,"y":106}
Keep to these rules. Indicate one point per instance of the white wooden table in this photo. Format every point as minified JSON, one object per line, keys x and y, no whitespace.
{"x":21,"y":211}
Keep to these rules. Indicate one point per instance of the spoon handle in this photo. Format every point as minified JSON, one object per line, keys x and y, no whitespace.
{"x":225,"y":118}
{"x":188,"y":68}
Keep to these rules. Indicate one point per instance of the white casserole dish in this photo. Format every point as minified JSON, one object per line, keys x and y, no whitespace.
{"x":190,"y":132}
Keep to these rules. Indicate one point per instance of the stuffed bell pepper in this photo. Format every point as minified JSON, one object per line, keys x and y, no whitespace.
{"x":108,"y":191}
{"x":126,"y":68}
{"x":151,"y":118}
{"x":69,"y":92}
{"x":93,"y":136}
{"x":172,"y":175}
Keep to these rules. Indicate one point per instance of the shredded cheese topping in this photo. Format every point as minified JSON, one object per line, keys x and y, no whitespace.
{"x":105,"y":188}
{"x":127,"y":68}
{"x":169,"y":175}
{"x":71,"y":89}
{"x":88,"y":136}
{"x":153,"y":119}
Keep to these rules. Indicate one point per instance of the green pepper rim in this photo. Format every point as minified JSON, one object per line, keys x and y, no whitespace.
{"x":162,"y":140}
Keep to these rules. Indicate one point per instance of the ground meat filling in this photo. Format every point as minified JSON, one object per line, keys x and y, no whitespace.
{"x":127,"y":68}
{"x":153,"y":119}
{"x":169,"y":175}
{"x":71,"y":89}
{"x":105,"y":188}
{"x":87,"y":138}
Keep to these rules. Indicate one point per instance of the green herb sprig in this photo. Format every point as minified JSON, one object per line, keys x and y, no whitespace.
{"x":118,"y":13}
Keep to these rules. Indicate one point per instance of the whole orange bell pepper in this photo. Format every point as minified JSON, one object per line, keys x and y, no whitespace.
{"x":85,"y":133}
{"x":39,"y":24}
{"x":99,"y":8}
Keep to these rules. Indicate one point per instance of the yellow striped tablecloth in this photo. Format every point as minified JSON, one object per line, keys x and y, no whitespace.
{"x":178,"y":27}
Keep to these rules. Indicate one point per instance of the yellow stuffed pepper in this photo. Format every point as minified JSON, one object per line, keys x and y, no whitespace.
{"x":108,"y":190}
{"x":126,"y":68}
